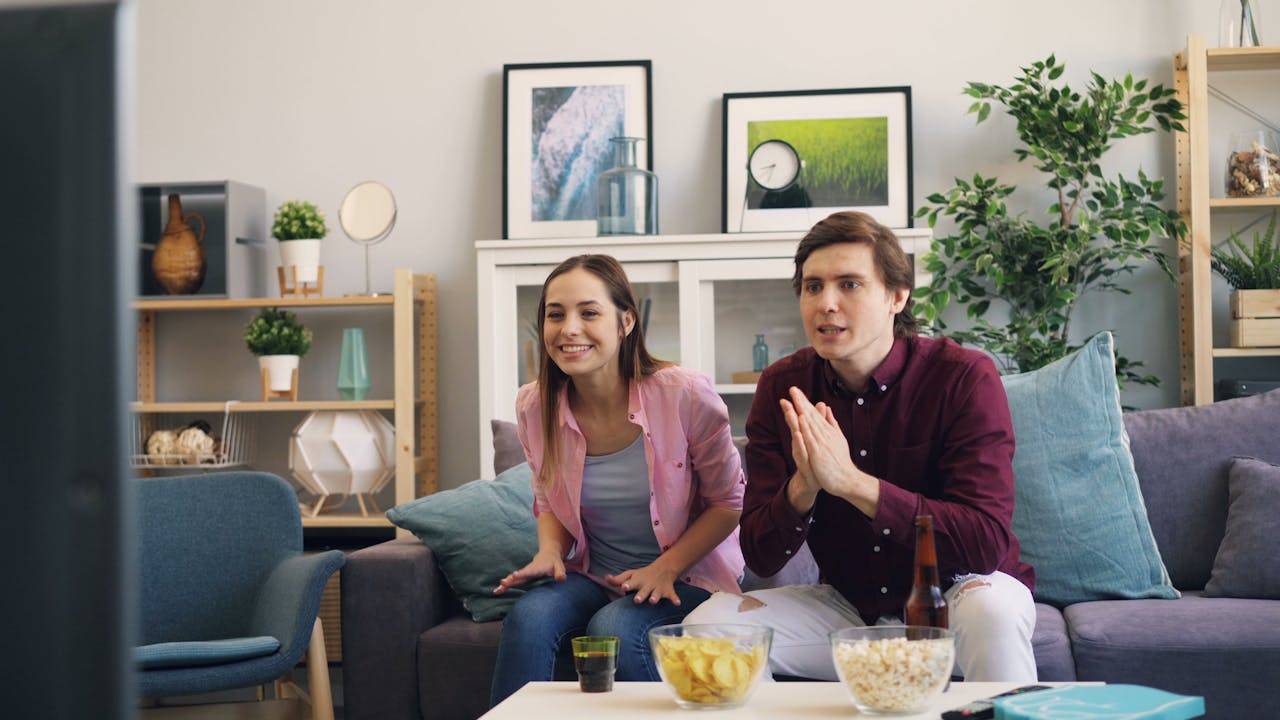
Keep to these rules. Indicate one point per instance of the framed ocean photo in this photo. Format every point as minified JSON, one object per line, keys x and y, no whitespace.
{"x":558,"y":120}
{"x":791,"y":158}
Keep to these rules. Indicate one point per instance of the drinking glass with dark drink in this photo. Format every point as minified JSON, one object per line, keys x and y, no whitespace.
{"x":596,"y":659}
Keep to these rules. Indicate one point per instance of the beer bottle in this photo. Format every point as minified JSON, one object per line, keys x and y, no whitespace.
{"x":926,"y":605}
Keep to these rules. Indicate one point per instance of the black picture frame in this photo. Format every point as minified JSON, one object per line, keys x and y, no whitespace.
{"x":736,"y":213}
{"x":533,"y":75}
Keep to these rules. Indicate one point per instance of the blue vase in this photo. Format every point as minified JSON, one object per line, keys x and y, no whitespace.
{"x":353,"y":368}
{"x":626,"y":195}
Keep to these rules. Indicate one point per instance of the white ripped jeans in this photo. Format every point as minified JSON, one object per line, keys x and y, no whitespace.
{"x":993,"y":617}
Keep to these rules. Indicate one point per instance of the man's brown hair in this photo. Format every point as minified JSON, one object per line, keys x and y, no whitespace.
{"x":890,"y":261}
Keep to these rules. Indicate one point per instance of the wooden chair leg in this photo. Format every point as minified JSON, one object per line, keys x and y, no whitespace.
{"x":318,"y":676}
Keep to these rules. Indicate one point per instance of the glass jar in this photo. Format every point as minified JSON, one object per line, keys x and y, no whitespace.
{"x":1238,"y":24}
{"x":1253,"y":165}
{"x":626,"y":195}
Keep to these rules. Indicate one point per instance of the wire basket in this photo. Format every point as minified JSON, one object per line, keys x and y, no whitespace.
{"x":230,"y":431}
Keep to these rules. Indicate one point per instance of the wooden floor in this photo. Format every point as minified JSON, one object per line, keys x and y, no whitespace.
{"x":265,"y":710}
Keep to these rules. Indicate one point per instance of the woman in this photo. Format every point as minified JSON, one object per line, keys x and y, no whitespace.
{"x":637,"y":484}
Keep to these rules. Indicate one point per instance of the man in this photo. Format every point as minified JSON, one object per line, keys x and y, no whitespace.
{"x":849,"y":440}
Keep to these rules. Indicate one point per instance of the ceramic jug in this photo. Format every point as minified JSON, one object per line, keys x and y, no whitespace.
{"x":179,"y":263}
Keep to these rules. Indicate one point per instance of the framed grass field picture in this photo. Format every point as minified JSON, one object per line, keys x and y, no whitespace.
{"x":791,"y":158}
{"x":557,"y":121}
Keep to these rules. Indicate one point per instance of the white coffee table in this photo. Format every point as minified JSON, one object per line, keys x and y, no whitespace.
{"x":563,"y":700}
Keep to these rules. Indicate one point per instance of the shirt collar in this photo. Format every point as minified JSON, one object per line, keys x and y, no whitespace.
{"x":885,"y":374}
{"x":634,"y":407}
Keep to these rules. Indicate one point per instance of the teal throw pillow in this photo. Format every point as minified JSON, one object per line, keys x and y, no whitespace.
{"x":1079,"y":514}
{"x":479,"y":533}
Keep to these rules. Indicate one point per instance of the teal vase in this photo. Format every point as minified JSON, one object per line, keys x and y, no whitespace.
{"x":353,"y":368}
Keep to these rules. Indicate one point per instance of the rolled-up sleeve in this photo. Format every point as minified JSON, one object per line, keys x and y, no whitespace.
{"x":711,"y":451}
{"x":772,"y":530}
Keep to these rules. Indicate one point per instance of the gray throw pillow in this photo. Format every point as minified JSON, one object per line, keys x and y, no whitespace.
{"x":1246,"y":565}
{"x":479,"y":533}
{"x":507,"y":450}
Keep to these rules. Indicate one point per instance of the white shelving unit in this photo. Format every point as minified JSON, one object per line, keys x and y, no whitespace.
{"x":716,"y":290}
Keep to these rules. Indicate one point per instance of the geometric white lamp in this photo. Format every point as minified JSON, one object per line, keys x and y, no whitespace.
{"x":338,"y":453}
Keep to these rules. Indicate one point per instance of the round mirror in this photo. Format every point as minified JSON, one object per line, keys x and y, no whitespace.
{"x":368,"y":213}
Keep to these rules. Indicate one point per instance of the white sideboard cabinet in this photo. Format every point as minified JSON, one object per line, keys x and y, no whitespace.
{"x":705,"y":299}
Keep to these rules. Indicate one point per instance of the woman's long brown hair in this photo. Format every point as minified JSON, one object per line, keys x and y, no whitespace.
{"x":634,"y":360}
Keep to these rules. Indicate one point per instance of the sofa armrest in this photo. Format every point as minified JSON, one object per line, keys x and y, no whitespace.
{"x":391,"y":594}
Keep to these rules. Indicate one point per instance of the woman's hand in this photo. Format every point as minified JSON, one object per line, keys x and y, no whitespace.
{"x":652,"y":582}
{"x":543,"y":564}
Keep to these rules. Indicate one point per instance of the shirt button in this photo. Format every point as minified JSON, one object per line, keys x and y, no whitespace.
{"x":886,"y":531}
{"x":631,"y":416}
{"x":688,"y":579}
{"x":786,"y":552}
{"x":655,"y":524}
{"x":883,"y":388}
{"x":799,"y":529}
{"x":861,"y":401}
{"x":679,"y":464}
{"x":664,"y":548}
{"x":862,"y":453}
{"x":884,"y":591}
{"x":875,"y":549}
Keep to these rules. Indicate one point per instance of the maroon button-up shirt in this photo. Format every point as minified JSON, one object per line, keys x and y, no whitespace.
{"x":933,"y":425}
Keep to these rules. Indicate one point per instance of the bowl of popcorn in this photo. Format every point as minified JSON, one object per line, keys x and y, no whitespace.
{"x":893,"y":669}
{"x":711,"y":666}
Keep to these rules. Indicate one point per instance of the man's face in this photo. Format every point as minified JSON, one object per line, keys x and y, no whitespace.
{"x":847,"y":311}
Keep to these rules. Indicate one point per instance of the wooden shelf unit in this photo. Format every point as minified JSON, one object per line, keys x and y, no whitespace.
{"x":415,"y":405}
{"x":1227,"y":59}
{"x":1191,"y":69}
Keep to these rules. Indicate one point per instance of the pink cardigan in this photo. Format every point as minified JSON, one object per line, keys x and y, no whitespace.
{"x":692,"y":465}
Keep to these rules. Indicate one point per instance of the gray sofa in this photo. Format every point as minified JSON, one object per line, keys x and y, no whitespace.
{"x":409,"y":651}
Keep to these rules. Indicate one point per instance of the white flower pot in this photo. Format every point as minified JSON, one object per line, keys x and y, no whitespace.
{"x":303,"y":255}
{"x":279,"y":370}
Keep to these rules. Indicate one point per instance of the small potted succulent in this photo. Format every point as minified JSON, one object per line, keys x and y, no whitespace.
{"x":1254,"y":276}
{"x":299,"y":226}
{"x":279,"y":340}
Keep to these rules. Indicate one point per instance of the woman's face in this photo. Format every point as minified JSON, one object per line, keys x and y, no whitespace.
{"x":581,"y":328}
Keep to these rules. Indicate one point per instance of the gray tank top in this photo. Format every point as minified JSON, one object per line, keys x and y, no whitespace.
{"x":615,"y":510}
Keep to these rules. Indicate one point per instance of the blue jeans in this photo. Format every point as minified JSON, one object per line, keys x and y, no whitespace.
{"x":550,"y":614}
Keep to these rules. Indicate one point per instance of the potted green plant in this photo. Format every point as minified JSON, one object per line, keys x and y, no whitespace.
{"x":1096,"y":231}
{"x":279,"y":341}
{"x":1254,"y":276}
{"x":300,"y":226}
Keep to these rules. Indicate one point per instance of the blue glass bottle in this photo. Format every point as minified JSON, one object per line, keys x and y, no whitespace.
{"x":759,"y":355}
{"x":626,"y":195}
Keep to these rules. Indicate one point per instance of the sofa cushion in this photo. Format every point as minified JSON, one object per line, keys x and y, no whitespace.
{"x":1078,"y":512}
{"x":1226,"y":649}
{"x":507,"y":450}
{"x":1246,"y":565}
{"x":479,"y":533}
{"x":1051,"y":646}
{"x":455,"y":667}
{"x":1182,"y":456}
{"x":203,"y":652}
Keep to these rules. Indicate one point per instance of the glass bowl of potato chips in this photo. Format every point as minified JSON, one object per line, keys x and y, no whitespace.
{"x":711,"y":666}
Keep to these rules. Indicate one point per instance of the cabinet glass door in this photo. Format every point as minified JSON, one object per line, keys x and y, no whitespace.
{"x":740,"y":315}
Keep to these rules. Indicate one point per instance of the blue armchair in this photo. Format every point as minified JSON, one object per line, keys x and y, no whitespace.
{"x":228,"y":600}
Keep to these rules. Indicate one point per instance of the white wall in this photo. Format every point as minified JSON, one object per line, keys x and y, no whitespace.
{"x":307,"y":98}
